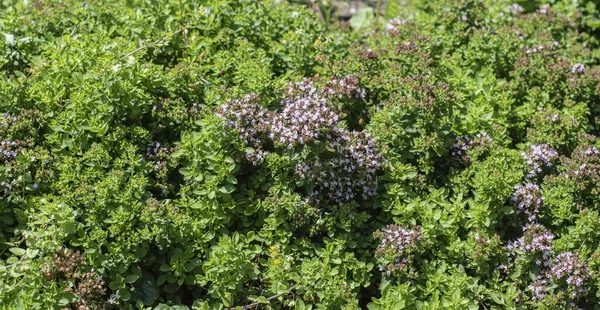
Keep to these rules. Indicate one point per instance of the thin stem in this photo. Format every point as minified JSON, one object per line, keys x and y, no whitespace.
{"x":184,"y":29}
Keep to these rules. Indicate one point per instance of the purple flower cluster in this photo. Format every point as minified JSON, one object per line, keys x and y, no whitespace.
{"x":8,"y":150}
{"x":464,"y":144}
{"x":302,"y":120}
{"x":538,"y":157}
{"x":6,"y":187}
{"x":538,"y":289}
{"x":347,"y":86}
{"x":396,"y":241}
{"x":528,"y":200}
{"x":307,"y":118}
{"x":537,"y":49}
{"x":157,"y":151}
{"x":578,"y":68}
{"x":154,"y":148}
{"x":394,"y":24}
{"x":574,"y":270}
{"x":536,"y":240}
{"x":251,"y":121}
{"x":352,"y":171}
{"x":515,"y":8}
{"x":583,"y":167}
{"x":9,"y":119}
{"x":567,"y":267}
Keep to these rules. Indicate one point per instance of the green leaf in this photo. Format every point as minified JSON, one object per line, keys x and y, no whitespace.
{"x":147,"y":290}
{"x":69,"y":227}
{"x":227,"y":189}
{"x":125,"y":295}
{"x":18,"y":251}
{"x":164,"y":267}
{"x":392,"y":9}
{"x":131,"y":278}
{"x":262,"y":300}
{"x":362,"y":18}
{"x":67,"y":298}
{"x":161,"y":279}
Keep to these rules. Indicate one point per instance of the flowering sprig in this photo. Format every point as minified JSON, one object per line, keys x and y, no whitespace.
{"x":515,"y":9}
{"x":583,"y":167}
{"x":8,"y":150}
{"x":573,"y":270}
{"x":538,"y":157}
{"x":307,"y":120}
{"x":528,"y":200}
{"x":536,"y":241}
{"x":464,"y":144}
{"x":578,"y":68}
{"x":396,"y":245}
{"x":394,"y":24}
{"x":158,"y":152}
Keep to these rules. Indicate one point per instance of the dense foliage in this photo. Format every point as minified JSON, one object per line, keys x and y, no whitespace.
{"x":242,"y":153}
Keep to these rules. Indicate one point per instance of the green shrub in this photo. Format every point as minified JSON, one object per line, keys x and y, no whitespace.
{"x":237,"y":153}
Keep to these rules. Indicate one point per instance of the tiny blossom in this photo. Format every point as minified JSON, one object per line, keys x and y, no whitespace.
{"x":480,"y":239}
{"x":154,"y":148}
{"x":113,"y":299}
{"x":158,"y":152}
{"x":8,"y":150}
{"x":346,"y":86}
{"x":538,"y":289}
{"x":583,"y":167}
{"x":516,"y":9}
{"x":464,"y":144}
{"x":544,"y":9}
{"x":5,"y":187}
{"x":578,"y":68}
{"x":534,"y":50}
{"x":528,"y":200}
{"x":503,"y":267}
{"x":394,"y":24}
{"x":539,"y":156}
{"x":395,"y":242}
{"x":519,"y":34}
{"x":574,"y":270}
{"x":536,"y":240}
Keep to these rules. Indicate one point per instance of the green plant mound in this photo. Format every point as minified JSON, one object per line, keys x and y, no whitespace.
{"x":259,"y":155}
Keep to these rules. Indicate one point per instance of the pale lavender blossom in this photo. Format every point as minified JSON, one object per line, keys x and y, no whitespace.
{"x":515,"y":8}
{"x":570,"y":267}
{"x":538,"y":289}
{"x":578,"y":68}
{"x":538,"y":157}
{"x":394,"y":24}
{"x":307,"y":118}
{"x":529,"y":200}
{"x":8,"y":150}
{"x":396,"y":241}
{"x":536,"y":241}
{"x":462,"y":145}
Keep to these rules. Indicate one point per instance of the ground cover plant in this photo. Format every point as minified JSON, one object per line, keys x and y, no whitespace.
{"x":227,"y":154}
